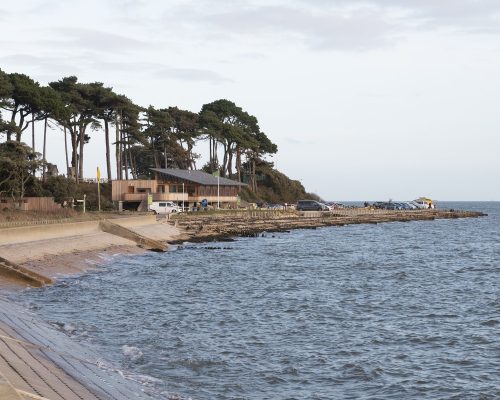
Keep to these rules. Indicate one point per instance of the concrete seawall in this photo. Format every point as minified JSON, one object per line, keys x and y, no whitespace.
{"x":44,"y":232}
{"x":39,"y":249}
{"x":52,"y":231}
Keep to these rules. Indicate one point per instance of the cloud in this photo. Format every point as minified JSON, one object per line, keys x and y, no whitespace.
{"x":191,"y":74}
{"x":464,"y":15}
{"x":299,"y":142}
{"x":95,"y":40}
{"x":328,"y":30}
{"x":328,"y":24}
{"x":161,"y":71}
{"x":43,"y":67}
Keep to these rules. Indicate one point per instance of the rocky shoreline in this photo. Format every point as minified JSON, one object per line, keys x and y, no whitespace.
{"x":200,"y":228}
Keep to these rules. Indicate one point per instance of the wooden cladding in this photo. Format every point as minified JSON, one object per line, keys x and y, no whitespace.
{"x":135,"y":190}
{"x":212,"y":191}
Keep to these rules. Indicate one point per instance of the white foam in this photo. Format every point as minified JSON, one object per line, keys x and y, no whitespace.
{"x":69,"y":328}
{"x":132,"y":352}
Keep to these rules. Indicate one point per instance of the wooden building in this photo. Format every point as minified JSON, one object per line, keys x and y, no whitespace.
{"x":177,"y":185}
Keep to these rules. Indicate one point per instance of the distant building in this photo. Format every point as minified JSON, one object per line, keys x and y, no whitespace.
{"x":177,"y":185}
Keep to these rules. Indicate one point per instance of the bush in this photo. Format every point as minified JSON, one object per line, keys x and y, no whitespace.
{"x":275,"y":187}
{"x":62,"y":188}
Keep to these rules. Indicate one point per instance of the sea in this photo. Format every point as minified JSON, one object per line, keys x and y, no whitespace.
{"x":402,"y":310}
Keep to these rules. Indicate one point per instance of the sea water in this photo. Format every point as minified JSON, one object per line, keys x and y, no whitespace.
{"x":388,"y":311}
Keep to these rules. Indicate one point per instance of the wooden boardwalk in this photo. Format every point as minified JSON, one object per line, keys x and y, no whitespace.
{"x":40,"y":362}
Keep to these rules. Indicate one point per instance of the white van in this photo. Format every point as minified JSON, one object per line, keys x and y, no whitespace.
{"x":163,"y":207}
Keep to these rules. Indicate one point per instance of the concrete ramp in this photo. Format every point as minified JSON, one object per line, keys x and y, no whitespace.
{"x":42,"y":363}
{"x":143,"y":241}
{"x":7,"y":391}
{"x":10,"y":269}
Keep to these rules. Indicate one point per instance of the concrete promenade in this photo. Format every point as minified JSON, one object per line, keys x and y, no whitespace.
{"x":39,"y":362}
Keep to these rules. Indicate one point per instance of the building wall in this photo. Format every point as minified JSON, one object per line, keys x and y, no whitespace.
{"x":137,"y":190}
{"x":136,"y":186}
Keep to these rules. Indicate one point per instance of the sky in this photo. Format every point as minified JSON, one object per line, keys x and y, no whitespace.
{"x":366,"y":99}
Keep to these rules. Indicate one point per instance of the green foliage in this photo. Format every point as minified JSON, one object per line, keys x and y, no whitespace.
{"x":275,"y":187}
{"x":8,"y":128}
{"x":144,"y":160}
{"x":144,"y":138}
{"x":171,"y":135}
{"x":237,"y":131}
{"x":61,"y":188}
{"x":5,"y":88}
{"x":90,"y":190}
{"x":17,"y":164}
{"x":64,"y":189}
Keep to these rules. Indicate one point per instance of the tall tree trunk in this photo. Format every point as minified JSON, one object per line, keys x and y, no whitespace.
{"x":216,"y":158}
{"x":117,"y":148}
{"x":254,"y":178}
{"x":238,"y":163}
{"x":230,"y":163}
{"x":80,"y":161}
{"x":44,"y":149}
{"x":131,"y":162}
{"x":66,"y":151}
{"x":224,"y":160}
{"x":192,"y":162}
{"x":108,"y":155}
{"x":74,"y":153}
{"x":134,"y":163}
{"x":21,"y":122}
{"x":22,"y":186}
{"x":211,"y":162}
{"x":120,"y":124}
{"x":155,"y":154}
{"x":12,"y":121}
{"x":165,"y":154}
{"x":33,"y":132}
{"x":124,"y":155}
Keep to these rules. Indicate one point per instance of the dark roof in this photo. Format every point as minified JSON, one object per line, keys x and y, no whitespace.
{"x":196,"y":176}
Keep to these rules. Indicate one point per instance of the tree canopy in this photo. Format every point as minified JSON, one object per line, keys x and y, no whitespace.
{"x":142,"y":137}
{"x":17,"y":165}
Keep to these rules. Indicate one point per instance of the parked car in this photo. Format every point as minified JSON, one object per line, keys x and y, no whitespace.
{"x":164,"y":207}
{"x":311,"y":205}
{"x":420,"y":204}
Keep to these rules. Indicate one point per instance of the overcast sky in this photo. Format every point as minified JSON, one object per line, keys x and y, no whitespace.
{"x":366,"y":100}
